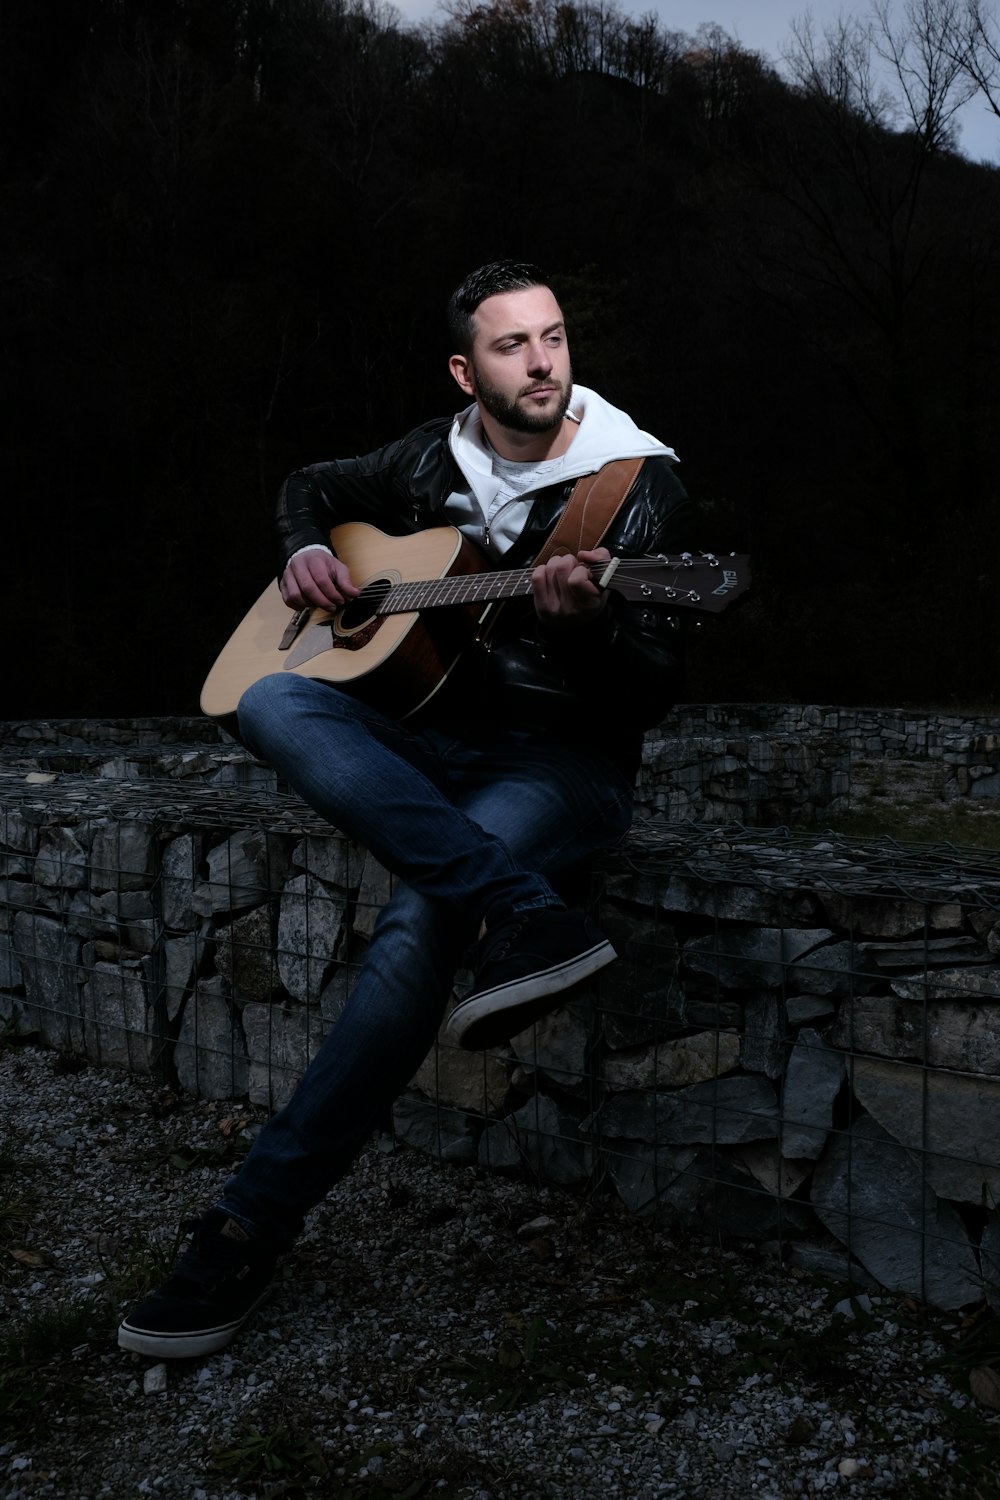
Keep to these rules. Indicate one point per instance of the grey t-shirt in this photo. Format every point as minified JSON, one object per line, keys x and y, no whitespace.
{"x":495,"y":526}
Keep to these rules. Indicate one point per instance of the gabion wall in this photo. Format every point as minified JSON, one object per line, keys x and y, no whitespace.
{"x":800,"y":1045}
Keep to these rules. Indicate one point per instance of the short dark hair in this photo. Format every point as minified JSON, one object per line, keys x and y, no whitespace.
{"x":488,"y":281}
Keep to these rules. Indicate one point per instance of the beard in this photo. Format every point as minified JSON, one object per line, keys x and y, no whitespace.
{"x":507,"y":412}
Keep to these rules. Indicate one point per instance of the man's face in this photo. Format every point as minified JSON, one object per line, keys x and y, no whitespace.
{"x":518,"y":369}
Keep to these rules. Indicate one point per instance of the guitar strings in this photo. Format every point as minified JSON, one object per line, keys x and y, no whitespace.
{"x":510,"y":582}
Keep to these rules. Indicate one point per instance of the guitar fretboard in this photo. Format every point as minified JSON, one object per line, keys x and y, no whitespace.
{"x":464,"y":588}
{"x":703,"y":582}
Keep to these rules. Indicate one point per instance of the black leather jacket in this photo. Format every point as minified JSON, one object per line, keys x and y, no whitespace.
{"x":607,"y":679}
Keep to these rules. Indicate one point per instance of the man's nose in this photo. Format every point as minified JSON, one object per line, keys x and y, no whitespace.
{"x":540,"y":362}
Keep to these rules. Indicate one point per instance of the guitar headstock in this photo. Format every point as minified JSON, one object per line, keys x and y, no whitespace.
{"x":706,"y":582}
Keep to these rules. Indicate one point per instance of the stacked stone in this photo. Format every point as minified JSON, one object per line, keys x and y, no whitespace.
{"x":759,"y":780}
{"x":964,"y":751}
{"x":138,"y":931}
{"x":781,"y":1050}
{"x":802,"y":1037}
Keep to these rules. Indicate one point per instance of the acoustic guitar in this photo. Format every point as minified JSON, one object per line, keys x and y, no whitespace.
{"x":424,"y":598}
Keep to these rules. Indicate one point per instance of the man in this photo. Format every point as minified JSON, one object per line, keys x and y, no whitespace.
{"x":518,"y":768}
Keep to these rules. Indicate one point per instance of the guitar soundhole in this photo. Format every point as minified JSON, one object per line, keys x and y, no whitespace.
{"x":359,"y":612}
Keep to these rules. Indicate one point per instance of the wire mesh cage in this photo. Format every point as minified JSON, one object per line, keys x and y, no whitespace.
{"x":799,"y":1045}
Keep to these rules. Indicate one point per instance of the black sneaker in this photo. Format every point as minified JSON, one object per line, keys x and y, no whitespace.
{"x":224,"y":1274}
{"x":524,"y":968}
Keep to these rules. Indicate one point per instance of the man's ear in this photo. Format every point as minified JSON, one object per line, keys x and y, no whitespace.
{"x":461,"y":369}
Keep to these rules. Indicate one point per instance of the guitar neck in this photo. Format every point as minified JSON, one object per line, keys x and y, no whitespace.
{"x":699,"y":581}
{"x":461,"y":588}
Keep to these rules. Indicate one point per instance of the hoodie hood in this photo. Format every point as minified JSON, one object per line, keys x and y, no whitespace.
{"x":603,"y":433}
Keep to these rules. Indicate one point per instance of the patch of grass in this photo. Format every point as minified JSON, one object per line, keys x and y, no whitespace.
{"x":8,"y":1155}
{"x":24,"y":1413}
{"x":16,"y":1203}
{"x":42,"y":1355}
{"x":540,"y":1358}
{"x":52,"y":1331}
{"x":977,"y":1458}
{"x":184,"y":1158}
{"x":960,"y":826}
{"x":697,"y":1298}
{"x":975,"y":1343}
{"x":821,"y":1357}
{"x":394,"y":1480}
{"x":766,"y":1344}
{"x":132,"y":1270}
{"x":393,"y":1489}
{"x":277,"y":1462}
{"x":38,"y":1378}
{"x":281,"y":1461}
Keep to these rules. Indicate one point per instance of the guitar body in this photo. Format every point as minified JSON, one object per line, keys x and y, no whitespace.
{"x":396,"y":644}
{"x":396,"y":662}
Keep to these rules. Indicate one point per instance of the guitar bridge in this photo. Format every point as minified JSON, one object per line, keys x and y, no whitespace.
{"x":293,"y":627}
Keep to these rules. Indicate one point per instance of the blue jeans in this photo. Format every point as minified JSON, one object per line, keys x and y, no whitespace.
{"x":473,"y":825}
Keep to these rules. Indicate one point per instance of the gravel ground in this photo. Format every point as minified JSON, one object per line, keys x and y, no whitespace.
{"x":439,"y":1332}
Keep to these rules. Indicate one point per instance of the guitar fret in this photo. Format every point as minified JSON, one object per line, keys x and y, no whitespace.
{"x":463,"y":588}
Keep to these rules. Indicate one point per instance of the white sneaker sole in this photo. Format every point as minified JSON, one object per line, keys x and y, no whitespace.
{"x":503,"y":1000}
{"x":185,"y":1344}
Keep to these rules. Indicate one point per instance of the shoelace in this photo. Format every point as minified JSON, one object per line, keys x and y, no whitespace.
{"x":206,"y":1267}
{"x":504,"y":940}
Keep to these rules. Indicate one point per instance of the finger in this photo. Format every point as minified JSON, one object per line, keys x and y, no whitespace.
{"x":564,"y":592}
{"x":540,"y":590}
{"x":344,"y":582}
{"x":556,"y":572}
{"x":316,"y":579}
{"x":577,"y":573}
{"x":581,"y":581}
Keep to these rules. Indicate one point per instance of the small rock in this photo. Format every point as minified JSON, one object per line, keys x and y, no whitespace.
{"x":534,"y":1227}
{"x":848,"y":1308}
{"x":154,"y":1382}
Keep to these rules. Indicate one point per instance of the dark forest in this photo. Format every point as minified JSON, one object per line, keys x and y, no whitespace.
{"x":229,"y":231}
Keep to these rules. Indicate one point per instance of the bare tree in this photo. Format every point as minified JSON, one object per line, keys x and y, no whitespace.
{"x":909,"y":73}
{"x":837,"y":67}
{"x":931,"y":81}
{"x":939,"y":58}
{"x":978,"y":50}
{"x":966,"y":33}
{"x":867,"y":186}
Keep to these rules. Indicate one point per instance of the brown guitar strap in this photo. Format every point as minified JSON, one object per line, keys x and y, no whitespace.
{"x":590,"y":509}
{"x":594,"y":502}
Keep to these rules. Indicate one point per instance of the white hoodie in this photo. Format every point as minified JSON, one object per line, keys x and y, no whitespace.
{"x":494,"y":507}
